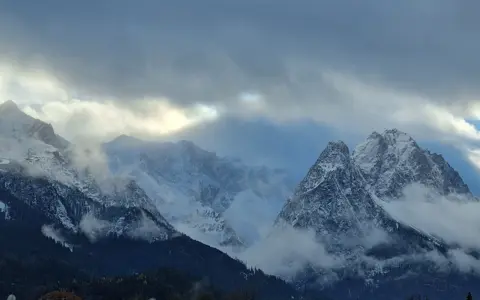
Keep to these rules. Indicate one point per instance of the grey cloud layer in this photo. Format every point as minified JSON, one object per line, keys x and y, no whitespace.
{"x":210,"y":51}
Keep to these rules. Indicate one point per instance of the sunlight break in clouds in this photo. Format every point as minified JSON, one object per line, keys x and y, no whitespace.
{"x":45,"y":98}
{"x":108,"y":119}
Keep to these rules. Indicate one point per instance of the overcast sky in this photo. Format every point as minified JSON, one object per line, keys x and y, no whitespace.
{"x":262,"y":79}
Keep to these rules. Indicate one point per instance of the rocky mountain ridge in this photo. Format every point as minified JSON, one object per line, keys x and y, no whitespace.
{"x":341,"y":199}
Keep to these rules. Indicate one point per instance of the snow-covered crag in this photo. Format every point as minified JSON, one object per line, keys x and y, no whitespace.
{"x":393,"y":160}
{"x":38,"y":168}
{"x":342,"y":194}
{"x":219,"y":201}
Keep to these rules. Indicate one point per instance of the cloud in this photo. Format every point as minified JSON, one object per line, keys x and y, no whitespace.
{"x":250,"y":215}
{"x":150,"y":69}
{"x":288,"y":251}
{"x":286,"y":62}
{"x":241,"y":41}
{"x":464,"y":262}
{"x":54,"y":234}
{"x":147,"y":229}
{"x":94,"y":228}
{"x":150,"y":118}
{"x":452,"y":218}
{"x":90,"y":160}
{"x":144,"y":228}
{"x":42,"y":96}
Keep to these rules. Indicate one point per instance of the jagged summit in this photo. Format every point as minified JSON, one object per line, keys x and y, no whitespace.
{"x":16,"y":124}
{"x":338,"y":146}
{"x":336,"y":154}
{"x":9,"y":106}
{"x":393,"y":160}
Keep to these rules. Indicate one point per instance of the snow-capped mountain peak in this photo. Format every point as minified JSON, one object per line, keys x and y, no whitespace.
{"x":336,"y":156}
{"x":342,"y":194}
{"x":14,"y":123}
{"x":13,"y":120}
{"x":392,"y":160}
{"x":335,"y":153}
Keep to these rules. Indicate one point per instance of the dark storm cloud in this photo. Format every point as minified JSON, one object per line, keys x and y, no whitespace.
{"x":209,"y":51}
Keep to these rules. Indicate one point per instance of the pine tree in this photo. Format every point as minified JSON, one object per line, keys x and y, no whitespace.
{"x":469,"y":296}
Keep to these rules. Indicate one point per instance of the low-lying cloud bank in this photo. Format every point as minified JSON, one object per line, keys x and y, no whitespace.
{"x":453,"y":218}
{"x":287,"y":251}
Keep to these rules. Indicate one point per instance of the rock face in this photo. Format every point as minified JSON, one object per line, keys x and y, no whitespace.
{"x":332,"y":198}
{"x":341,"y":199}
{"x":200,"y":193}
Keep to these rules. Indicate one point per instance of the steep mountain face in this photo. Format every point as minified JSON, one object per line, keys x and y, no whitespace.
{"x":331,"y":198}
{"x":200,"y":193}
{"x":341,"y":199}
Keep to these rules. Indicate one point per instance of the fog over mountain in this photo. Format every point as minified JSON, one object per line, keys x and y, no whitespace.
{"x":332,"y":143}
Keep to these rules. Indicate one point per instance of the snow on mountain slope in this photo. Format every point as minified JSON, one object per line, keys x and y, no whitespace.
{"x":31,"y":151}
{"x":219,"y":201}
{"x":334,"y":201}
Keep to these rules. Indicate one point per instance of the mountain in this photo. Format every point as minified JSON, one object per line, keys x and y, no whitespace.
{"x":342,"y":200}
{"x":58,"y":209}
{"x":219,"y":201}
{"x":38,"y":167}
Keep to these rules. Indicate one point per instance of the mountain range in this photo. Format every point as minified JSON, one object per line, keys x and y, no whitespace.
{"x":132,"y":205}
{"x":220,"y":201}
{"x":57,"y":203}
